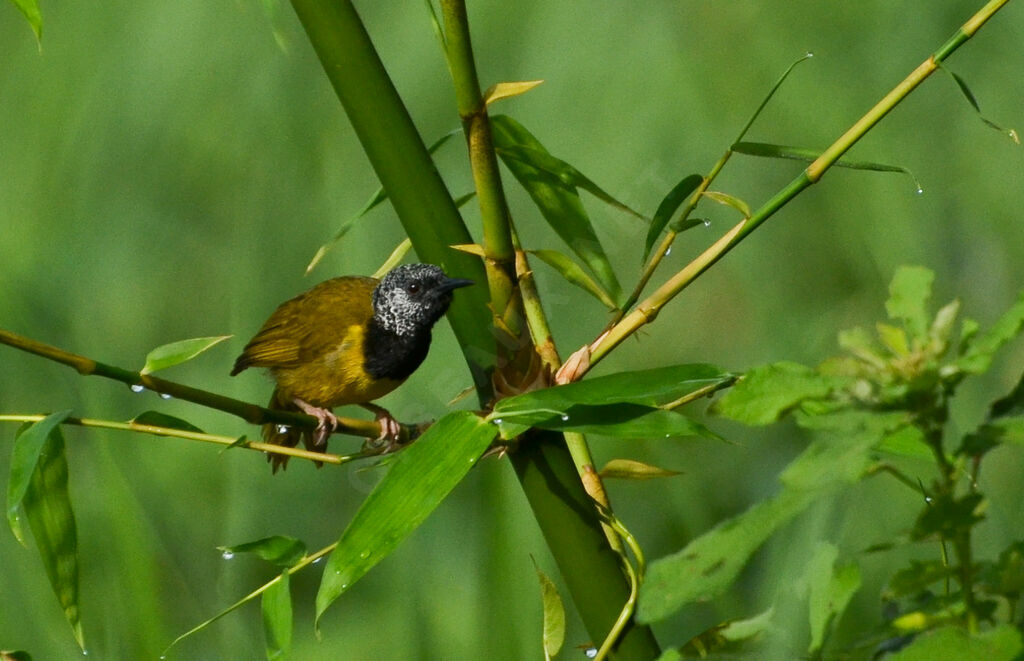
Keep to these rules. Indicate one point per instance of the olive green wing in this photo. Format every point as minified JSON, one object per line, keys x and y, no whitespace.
{"x":310,"y":325}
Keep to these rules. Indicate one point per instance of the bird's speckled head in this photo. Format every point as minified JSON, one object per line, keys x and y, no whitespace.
{"x":411,"y":298}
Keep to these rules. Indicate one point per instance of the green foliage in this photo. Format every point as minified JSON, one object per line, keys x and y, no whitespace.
{"x":169,"y":355}
{"x":554,"y":616}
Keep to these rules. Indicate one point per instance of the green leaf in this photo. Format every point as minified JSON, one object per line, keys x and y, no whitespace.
{"x":394,"y":258}
{"x":48,"y":510}
{"x":969,"y":95}
{"x":29,"y":442}
{"x":811,"y":155}
{"x":710,"y":563}
{"x":979,"y":350}
{"x":499,"y":91}
{"x":729,"y":201}
{"x":174,"y":353}
{"x":281,"y":550}
{"x":554,"y":615}
{"x":912,"y":580}
{"x":830,"y":589}
{"x":557,"y":200}
{"x":378,"y":196}
{"x":771,"y":93}
{"x":618,"y":420}
{"x":893,"y":338}
{"x":158,"y":419}
{"x":675,"y":199}
{"x":30,"y":10}
{"x":277,"y":619}
{"x":416,"y":483}
{"x":630,"y":469}
{"x":909,"y":292}
{"x":953,"y":643}
{"x":765,"y":394}
{"x":907,"y":441}
{"x":1006,"y":576}
{"x":946,"y":515}
{"x":574,"y":274}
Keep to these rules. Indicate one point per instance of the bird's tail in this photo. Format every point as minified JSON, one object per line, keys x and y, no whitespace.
{"x":286,"y":435}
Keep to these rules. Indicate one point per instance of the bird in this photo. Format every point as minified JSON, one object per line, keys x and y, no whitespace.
{"x":348,"y":340}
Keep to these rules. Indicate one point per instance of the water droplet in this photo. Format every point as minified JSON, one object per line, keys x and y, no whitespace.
{"x":318,"y":560}
{"x":227,"y":555}
{"x":344,"y":586}
{"x":591,"y":652}
{"x":85,"y":652}
{"x":497,"y":421}
{"x":919,"y":190}
{"x":565,"y":417}
{"x":364,"y":555}
{"x":928,"y":499}
{"x":137,"y":387}
{"x":669,"y":251}
{"x":808,"y":54}
{"x":164,"y":395}
{"x":282,"y":429}
{"x":707,"y":223}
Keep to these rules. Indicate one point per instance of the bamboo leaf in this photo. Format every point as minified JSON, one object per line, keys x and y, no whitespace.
{"x":378,"y":196}
{"x":574,"y":274}
{"x":558,"y":201}
{"x":47,"y":507}
{"x":30,"y":10}
{"x":280,"y":550}
{"x":631,"y":469}
{"x":500,"y":91}
{"x":396,"y":256}
{"x":618,"y":420}
{"x":276,"y":607}
{"x":969,"y":95}
{"x":771,"y":93}
{"x":419,"y":479}
{"x":181,"y":351}
{"x":554,"y":615}
{"x":158,"y":419}
{"x":471,"y":249}
{"x":668,"y":207}
{"x":28,"y":446}
{"x":810,"y":155}
{"x":729,"y":201}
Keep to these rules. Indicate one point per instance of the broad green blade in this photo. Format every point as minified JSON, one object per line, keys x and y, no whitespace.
{"x":557,"y":200}
{"x":158,"y":419}
{"x":174,"y":353}
{"x":675,"y":199}
{"x":281,"y":550}
{"x":30,"y":10}
{"x":829,"y":589}
{"x":276,"y":607}
{"x":766,"y":393}
{"x":574,"y":274}
{"x":423,"y":474}
{"x":48,"y":510}
{"x":28,"y":446}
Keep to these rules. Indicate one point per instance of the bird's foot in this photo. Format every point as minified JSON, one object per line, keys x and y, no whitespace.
{"x":390,"y":429}
{"x":327,"y":423}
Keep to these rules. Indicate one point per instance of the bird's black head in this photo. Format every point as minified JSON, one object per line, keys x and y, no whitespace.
{"x":411,"y":298}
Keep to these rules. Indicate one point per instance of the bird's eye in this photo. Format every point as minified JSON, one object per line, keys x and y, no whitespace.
{"x":413,"y":288}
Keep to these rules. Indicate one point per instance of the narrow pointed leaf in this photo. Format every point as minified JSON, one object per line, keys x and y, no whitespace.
{"x":729,"y":201}
{"x":396,"y":256}
{"x":48,"y":510}
{"x":810,"y":155}
{"x":618,"y":420}
{"x":378,"y":196}
{"x":28,"y":446}
{"x":675,"y":198}
{"x":158,"y":419}
{"x":500,"y":91}
{"x":630,"y":469}
{"x":574,"y":274}
{"x":276,"y":607}
{"x":558,"y":201}
{"x":771,"y":93}
{"x":554,"y":615}
{"x":181,"y":351}
{"x":969,"y":95}
{"x":30,"y":10}
{"x":419,"y":479}
{"x":281,"y":550}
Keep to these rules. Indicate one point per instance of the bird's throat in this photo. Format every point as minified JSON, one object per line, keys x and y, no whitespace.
{"x":388,"y":355}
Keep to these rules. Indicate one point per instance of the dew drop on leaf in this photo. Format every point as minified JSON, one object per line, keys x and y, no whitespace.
{"x":137,"y":387}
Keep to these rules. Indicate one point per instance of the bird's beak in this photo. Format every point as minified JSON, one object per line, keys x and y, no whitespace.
{"x":453,"y":283}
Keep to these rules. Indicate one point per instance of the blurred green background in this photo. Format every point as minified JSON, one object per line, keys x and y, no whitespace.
{"x":167,"y":170}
